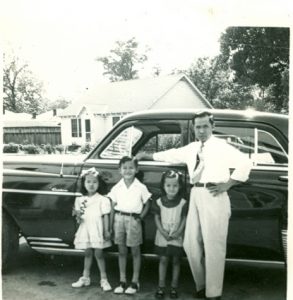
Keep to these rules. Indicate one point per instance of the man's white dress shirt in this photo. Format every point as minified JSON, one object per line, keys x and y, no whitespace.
{"x":218,"y":158}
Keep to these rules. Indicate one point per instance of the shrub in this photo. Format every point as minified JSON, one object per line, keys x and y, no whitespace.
{"x":49,"y":149}
{"x":11,"y":148}
{"x":31,"y":149}
{"x":73,"y":147}
{"x":86,"y":148}
{"x":60,"y":148}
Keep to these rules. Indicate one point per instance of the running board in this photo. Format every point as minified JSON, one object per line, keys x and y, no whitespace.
{"x":62,"y":251}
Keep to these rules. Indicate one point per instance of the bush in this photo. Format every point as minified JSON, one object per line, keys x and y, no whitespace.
{"x":60,"y":148}
{"x":73,"y":147}
{"x":86,"y":148}
{"x":31,"y":149}
{"x":11,"y":148}
{"x":49,"y":149}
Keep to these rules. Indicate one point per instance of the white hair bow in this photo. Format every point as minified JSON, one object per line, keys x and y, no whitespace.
{"x":91,"y":171}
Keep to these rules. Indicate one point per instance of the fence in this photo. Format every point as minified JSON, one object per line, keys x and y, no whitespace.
{"x":32,"y":135}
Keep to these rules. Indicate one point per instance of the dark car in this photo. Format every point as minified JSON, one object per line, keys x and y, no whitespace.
{"x":38,"y":195}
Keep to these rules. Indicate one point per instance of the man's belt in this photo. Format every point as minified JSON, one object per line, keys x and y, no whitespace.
{"x":200,"y":184}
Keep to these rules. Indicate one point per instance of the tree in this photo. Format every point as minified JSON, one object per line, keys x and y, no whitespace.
{"x":123,"y":61}
{"x":259,"y":56}
{"x":22,"y":92}
{"x":60,"y":103}
{"x":214,"y":78}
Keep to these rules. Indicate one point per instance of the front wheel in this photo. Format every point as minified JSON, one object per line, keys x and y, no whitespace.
{"x":10,"y":241}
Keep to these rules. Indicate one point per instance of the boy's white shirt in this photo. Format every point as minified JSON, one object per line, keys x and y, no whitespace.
{"x":129,"y":199}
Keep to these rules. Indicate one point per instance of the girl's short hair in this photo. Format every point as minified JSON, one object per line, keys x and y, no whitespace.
{"x":102,"y":188}
{"x":173,"y":174}
{"x":124,"y":159}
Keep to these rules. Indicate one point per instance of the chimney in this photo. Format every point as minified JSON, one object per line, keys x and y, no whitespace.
{"x":3,"y":110}
{"x":54,"y":112}
{"x":34,"y":115}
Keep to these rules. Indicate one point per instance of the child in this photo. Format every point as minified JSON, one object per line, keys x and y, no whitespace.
{"x":170,"y":217}
{"x":92,"y":213}
{"x":130,"y":204}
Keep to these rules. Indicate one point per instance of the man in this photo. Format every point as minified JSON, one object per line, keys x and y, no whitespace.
{"x":208,"y":161}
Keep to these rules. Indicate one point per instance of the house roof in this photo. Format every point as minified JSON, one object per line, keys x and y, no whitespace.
{"x":29,"y":123}
{"x":128,"y":96}
{"x":12,"y":116}
{"x":12,"y":119}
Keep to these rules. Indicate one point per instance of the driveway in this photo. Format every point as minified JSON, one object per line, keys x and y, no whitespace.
{"x":40,"y":277}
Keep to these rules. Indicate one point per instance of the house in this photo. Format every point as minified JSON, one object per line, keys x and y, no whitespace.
{"x":23,"y":128}
{"x":90,"y":118}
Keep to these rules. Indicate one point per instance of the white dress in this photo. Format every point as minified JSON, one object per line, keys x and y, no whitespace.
{"x":90,"y":230}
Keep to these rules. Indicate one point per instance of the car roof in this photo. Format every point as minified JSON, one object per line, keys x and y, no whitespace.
{"x":279,"y":121}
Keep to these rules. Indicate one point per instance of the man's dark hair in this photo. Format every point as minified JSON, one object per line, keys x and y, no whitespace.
{"x":202,"y":114}
{"x":124,"y":159}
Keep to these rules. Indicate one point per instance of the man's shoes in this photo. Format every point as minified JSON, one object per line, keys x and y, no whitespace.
{"x":214,"y":298}
{"x":132,"y":289}
{"x":200,"y":294}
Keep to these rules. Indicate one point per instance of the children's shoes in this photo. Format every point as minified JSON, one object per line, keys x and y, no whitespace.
{"x":105,"y":285}
{"x":121,"y":288}
{"x":132,"y":289}
{"x":82,"y":281}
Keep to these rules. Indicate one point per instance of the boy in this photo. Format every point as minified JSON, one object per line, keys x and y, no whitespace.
{"x":130,"y":204}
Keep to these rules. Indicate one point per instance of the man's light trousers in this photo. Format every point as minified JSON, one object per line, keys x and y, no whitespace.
{"x":206,"y":237}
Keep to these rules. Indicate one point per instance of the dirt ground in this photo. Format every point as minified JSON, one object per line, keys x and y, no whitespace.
{"x":41,"y":277}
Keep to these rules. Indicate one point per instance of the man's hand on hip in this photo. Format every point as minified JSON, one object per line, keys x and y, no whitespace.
{"x":221,"y":187}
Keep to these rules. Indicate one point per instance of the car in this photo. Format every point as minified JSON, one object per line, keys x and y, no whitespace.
{"x":38,"y":194}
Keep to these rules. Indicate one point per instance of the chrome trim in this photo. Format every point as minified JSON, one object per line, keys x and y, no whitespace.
{"x":271,"y":168}
{"x":44,"y":239}
{"x":34,"y":173}
{"x":74,"y":194}
{"x":285,"y":242}
{"x":63,"y":251}
{"x":48,"y":244}
{"x":251,"y":261}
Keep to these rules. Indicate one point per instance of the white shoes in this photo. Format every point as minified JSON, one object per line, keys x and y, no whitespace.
{"x":121,"y":288}
{"x":82,"y":281}
{"x":132,"y":289}
{"x":105,"y":285}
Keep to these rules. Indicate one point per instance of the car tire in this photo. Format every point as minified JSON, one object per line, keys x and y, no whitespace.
{"x":10,"y":242}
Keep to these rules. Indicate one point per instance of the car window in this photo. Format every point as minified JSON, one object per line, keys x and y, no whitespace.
{"x":162,"y":141}
{"x":122,"y":144}
{"x":148,"y":136}
{"x":261,"y":146}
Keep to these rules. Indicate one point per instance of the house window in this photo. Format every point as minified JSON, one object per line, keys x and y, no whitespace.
{"x":115,"y":120}
{"x":76,"y":127}
{"x":87,"y":130}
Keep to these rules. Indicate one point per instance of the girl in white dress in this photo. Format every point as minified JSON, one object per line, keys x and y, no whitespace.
{"x":170,"y":218}
{"x":93,"y":235}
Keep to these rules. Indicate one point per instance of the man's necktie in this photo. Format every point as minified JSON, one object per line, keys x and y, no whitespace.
{"x":199,"y":165}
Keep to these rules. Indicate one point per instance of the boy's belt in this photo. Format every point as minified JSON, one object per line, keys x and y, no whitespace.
{"x":200,"y":184}
{"x":126,"y":213}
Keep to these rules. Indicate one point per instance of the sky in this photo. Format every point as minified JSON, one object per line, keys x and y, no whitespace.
{"x":60,"y":40}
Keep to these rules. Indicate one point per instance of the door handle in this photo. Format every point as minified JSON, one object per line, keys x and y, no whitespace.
{"x":283,"y":178}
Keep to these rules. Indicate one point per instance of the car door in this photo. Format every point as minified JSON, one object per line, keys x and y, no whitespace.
{"x":259,"y":206}
{"x":40,"y":196}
